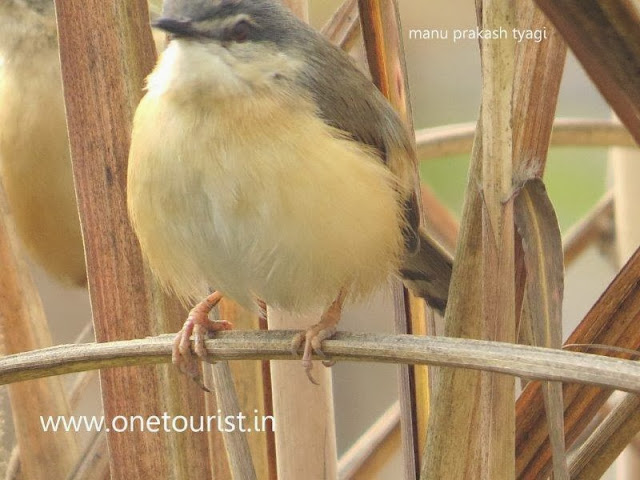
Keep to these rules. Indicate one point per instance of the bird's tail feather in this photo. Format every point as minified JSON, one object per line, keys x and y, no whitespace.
{"x":427,"y":272}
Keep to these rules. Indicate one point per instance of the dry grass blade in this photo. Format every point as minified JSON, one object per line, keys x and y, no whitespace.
{"x":542,"y":245}
{"x":105,"y":54}
{"x":607,"y":441}
{"x":369,"y":454}
{"x":605,"y":37}
{"x":539,"y":262}
{"x":251,"y":390}
{"x":237,"y":446}
{"x":457,"y":139}
{"x":613,"y":320}
{"x":382,"y":36}
{"x":24,"y":327}
{"x":343,"y":28}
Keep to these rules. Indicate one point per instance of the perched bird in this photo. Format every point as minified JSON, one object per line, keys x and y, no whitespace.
{"x":265,"y":165}
{"x":35,"y":164}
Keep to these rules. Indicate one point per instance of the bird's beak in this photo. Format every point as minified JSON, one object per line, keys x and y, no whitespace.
{"x":173,"y":26}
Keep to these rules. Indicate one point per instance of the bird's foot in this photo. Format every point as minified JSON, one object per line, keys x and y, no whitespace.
{"x":314,"y":336}
{"x":198,"y":325}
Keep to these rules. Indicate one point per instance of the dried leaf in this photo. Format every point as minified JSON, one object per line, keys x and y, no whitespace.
{"x":537,"y":224}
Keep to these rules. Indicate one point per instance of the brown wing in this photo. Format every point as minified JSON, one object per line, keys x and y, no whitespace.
{"x":350,"y":102}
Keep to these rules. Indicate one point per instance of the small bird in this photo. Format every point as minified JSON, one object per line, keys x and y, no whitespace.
{"x":266,"y":166}
{"x":35,"y":163}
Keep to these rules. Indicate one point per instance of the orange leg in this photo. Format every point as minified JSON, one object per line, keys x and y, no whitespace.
{"x":199,"y":325}
{"x":313,"y":337}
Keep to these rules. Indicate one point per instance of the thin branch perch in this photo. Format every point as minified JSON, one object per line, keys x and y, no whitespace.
{"x":520,"y":360}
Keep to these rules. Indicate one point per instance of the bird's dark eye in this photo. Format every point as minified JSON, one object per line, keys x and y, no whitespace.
{"x":240,"y":31}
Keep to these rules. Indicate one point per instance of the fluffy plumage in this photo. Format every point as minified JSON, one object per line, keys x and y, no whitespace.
{"x":264,"y":164}
{"x":236,"y":184}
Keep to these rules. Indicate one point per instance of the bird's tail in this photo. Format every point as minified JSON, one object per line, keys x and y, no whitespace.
{"x":427,"y":272}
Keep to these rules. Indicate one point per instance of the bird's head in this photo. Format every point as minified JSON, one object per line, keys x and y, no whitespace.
{"x":228,"y":47}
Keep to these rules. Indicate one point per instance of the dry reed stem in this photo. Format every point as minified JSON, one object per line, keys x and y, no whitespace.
{"x":457,"y":139}
{"x":518,"y":360}
{"x":236,"y":442}
{"x":250,"y":388}
{"x":23,"y":326}
{"x":613,"y":320}
{"x":497,"y":393}
{"x":371,"y":452}
{"x":596,"y":225}
{"x":455,"y":391}
{"x":94,"y":464}
{"x":605,"y":37}
{"x":343,"y":28}
{"x":382,"y":34}
{"x":105,"y":54}
{"x":606,"y":442}
{"x":625,"y":166}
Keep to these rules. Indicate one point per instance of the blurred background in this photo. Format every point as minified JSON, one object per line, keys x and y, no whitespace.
{"x":445,"y":87}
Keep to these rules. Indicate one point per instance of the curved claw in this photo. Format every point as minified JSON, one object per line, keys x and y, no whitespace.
{"x":198,"y":325}
{"x":312,"y":339}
